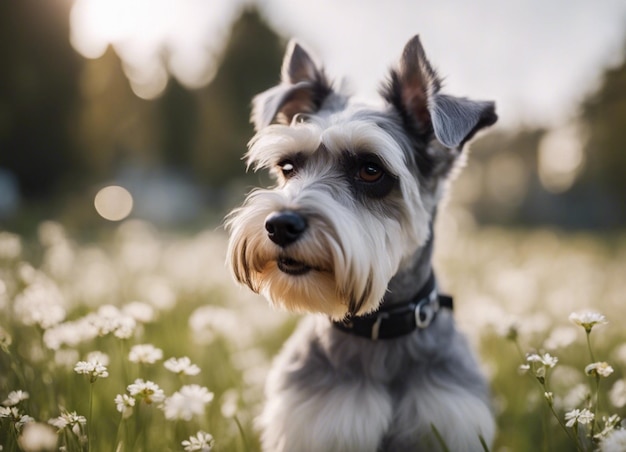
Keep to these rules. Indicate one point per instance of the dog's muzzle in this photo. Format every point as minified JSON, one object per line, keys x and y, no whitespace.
{"x":292,"y":266}
{"x":284,"y":228}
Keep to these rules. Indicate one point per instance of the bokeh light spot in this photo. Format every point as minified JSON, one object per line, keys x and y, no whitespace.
{"x":561,"y":157}
{"x":113,"y":203}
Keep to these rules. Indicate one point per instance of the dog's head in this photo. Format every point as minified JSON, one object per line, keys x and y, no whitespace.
{"x":357,"y":186}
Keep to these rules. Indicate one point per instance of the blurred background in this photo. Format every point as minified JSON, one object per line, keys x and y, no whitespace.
{"x":153,"y":96}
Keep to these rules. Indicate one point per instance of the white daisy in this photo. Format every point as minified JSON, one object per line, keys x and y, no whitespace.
{"x":124,"y":404}
{"x":145,"y":354}
{"x":72,"y":420}
{"x":546,"y":359}
{"x":93,"y":369}
{"x":109,"y":319}
{"x":9,"y":412}
{"x":587,"y":319}
{"x":601,"y":369}
{"x":147,"y":391}
{"x":15,"y":397}
{"x":202,"y":442}
{"x":190,"y":400}
{"x":181,"y":366}
{"x":577,"y":416}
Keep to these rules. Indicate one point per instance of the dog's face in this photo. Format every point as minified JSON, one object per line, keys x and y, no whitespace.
{"x":357,"y":186}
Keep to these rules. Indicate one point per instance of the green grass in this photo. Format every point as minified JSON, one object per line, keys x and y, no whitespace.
{"x":523,"y":285}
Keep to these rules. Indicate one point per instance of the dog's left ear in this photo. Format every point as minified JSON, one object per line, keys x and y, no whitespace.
{"x":414,"y":91}
{"x":303,"y":89}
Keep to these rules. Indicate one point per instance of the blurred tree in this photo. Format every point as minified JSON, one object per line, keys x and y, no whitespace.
{"x":604,"y":113}
{"x":501,"y":175}
{"x":68,"y":124}
{"x":201,"y":132}
{"x":179,"y":125}
{"x":251,"y":64}
{"x":38,"y":95}
{"x":191,"y":137}
{"x":116,"y":127}
{"x":597,"y":197}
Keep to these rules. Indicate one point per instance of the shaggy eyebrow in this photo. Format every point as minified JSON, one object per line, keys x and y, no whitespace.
{"x":296,"y":157}
{"x":363,"y":154}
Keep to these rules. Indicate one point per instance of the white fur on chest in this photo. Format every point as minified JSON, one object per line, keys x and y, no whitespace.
{"x":357,"y":418}
{"x":345,"y":412}
{"x":341,"y":418}
{"x":460,"y":418}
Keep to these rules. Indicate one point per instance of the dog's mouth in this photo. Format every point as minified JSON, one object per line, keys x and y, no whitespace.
{"x":292,"y":266}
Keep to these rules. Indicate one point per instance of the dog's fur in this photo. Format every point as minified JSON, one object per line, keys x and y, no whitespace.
{"x":362,"y":185}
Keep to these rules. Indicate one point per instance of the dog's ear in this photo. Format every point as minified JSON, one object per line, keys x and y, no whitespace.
{"x":303,"y":89}
{"x":414,"y":91}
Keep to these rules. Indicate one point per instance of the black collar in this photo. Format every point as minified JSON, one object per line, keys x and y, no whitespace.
{"x":399,"y":319}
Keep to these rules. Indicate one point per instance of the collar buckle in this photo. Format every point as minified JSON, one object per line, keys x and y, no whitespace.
{"x":426,"y":309}
{"x":400,"y":319}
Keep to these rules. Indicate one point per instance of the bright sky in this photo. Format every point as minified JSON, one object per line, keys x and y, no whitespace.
{"x":536,"y":58}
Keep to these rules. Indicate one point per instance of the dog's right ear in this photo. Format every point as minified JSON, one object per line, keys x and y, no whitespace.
{"x":303,"y":89}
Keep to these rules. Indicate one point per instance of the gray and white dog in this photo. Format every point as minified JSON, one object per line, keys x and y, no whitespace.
{"x":347,"y":232}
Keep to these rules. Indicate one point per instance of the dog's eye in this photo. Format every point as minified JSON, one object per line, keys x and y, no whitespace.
{"x":370,"y":172}
{"x":300,"y":118}
{"x":287,"y":168}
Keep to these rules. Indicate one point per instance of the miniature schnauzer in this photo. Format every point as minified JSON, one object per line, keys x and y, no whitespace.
{"x":347,"y":232}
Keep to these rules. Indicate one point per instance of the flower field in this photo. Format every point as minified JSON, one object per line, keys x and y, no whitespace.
{"x":140,"y":341}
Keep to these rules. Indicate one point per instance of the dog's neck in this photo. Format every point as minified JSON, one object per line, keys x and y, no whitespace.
{"x":412,"y":277}
{"x":411,"y":302}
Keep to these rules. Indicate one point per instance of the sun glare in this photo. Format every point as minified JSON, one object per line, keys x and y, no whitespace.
{"x":155,"y":37}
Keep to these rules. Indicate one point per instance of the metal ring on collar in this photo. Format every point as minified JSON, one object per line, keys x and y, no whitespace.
{"x":425,"y":311}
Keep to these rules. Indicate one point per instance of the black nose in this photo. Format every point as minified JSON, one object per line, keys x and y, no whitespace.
{"x":285,"y":227}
